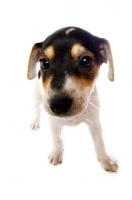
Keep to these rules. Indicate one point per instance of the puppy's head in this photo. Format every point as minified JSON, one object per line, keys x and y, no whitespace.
{"x":70,"y":61}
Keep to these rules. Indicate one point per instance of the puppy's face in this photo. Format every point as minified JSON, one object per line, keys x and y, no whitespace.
{"x":70,"y":60}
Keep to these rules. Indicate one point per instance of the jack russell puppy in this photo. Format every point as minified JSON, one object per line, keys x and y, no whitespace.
{"x":70,"y":61}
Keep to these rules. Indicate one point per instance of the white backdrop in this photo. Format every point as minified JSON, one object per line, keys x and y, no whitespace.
{"x":24,"y":169}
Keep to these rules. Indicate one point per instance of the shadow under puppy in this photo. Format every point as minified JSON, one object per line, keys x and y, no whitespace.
{"x":70,"y":61}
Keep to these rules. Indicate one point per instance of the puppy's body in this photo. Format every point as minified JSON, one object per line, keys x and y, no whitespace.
{"x":70,"y":61}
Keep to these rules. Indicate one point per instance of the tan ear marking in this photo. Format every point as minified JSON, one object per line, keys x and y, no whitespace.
{"x":33,"y":59}
{"x":105,"y":51}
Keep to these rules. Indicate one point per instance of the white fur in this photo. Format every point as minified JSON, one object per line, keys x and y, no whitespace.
{"x":69,"y":30}
{"x":89,"y":113}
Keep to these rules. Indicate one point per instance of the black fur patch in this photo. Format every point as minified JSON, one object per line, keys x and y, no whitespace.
{"x":63,"y":63}
{"x":39,"y":45}
{"x":39,"y":74}
{"x":79,"y":35}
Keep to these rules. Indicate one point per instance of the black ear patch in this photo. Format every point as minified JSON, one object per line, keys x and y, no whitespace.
{"x":39,"y":74}
{"x":39,"y":45}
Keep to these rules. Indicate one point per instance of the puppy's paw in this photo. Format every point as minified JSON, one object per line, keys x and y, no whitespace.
{"x":56,"y":158}
{"x":35,"y":125}
{"x":109,"y":164}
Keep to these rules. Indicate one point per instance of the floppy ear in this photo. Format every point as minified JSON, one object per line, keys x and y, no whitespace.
{"x":33,"y":59}
{"x":106,"y":55}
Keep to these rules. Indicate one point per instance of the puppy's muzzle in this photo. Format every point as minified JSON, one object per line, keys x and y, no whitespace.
{"x":60,"y":105}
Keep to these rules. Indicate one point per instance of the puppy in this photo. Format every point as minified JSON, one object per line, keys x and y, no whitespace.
{"x":70,"y":61}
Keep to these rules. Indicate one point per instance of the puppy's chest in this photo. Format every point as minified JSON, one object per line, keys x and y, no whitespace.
{"x":76,"y":120}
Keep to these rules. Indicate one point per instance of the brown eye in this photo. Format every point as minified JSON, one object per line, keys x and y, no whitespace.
{"x":86,"y":61}
{"x":44,"y":64}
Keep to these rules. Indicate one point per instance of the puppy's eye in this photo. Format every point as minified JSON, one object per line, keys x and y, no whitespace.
{"x":44,"y":63}
{"x":86,"y":61}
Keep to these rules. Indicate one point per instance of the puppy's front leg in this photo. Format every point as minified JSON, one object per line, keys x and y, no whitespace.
{"x":56,"y":155}
{"x":37,"y":101}
{"x":108,"y":163}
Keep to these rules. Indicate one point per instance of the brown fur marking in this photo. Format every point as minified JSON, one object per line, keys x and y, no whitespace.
{"x":33,"y":59}
{"x":46,"y":83}
{"x":84,"y":82}
{"x":49,"y":53}
{"x":77,"y":50}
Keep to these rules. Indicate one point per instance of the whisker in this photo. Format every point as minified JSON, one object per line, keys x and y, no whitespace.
{"x":93,"y":105}
{"x":92,"y":111}
{"x":97,"y":97}
{"x":94,"y":99}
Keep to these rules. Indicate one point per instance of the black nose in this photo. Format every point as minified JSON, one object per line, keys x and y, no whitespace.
{"x":60,"y":105}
